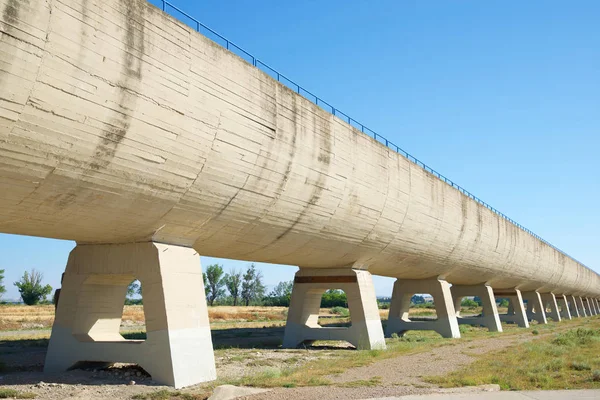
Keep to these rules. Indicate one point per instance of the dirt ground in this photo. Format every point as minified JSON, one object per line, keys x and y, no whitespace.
{"x":246,"y":343}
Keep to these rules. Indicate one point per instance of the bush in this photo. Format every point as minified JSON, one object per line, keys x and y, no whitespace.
{"x":580,"y":366}
{"x":468,"y":303}
{"x":344,"y":312}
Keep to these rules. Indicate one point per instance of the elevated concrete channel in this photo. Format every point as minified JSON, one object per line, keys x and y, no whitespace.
{"x":139,"y":138}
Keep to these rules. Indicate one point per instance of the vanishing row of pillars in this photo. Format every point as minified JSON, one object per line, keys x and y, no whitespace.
{"x":178,"y":349}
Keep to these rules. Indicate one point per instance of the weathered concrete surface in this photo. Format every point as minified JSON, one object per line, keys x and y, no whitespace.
{"x":302,"y":323}
{"x":516,"y":308}
{"x":445,"y":324}
{"x":178,"y":349}
{"x":120,"y":124}
{"x":489,"y":317}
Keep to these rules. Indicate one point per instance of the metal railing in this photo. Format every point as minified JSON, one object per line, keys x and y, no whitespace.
{"x":234,"y":48}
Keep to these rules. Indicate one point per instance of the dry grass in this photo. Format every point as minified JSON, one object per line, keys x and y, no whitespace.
{"x":568,"y":359}
{"x":21,"y":317}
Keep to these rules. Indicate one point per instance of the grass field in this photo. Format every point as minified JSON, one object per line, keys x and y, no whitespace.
{"x":569,"y":359}
{"x":21,"y":317}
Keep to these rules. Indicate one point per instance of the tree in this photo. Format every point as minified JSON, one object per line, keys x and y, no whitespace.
{"x":2,"y":288}
{"x":233,"y":280}
{"x":334,"y":298}
{"x":31,"y":288}
{"x":134,"y":288}
{"x":417,"y":299}
{"x":280,"y":295}
{"x":215,"y":281}
{"x":252,"y":285}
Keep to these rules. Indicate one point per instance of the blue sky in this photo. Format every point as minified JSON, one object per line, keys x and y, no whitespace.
{"x":502,"y":97}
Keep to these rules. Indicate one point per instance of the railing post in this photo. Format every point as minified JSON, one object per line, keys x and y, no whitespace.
{"x":163,"y":5}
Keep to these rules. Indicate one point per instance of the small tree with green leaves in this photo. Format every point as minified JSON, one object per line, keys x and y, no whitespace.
{"x":215,"y":283}
{"x":233,"y":281}
{"x":2,"y":288}
{"x":252,"y":285}
{"x":31,"y":288}
{"x":280,"y":295}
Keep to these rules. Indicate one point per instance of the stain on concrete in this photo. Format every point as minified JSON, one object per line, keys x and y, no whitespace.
{"x":11,"y":11}
{"x":119,"y":123}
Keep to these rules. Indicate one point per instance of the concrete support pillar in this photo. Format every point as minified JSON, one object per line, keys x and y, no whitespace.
{"x":588,"y":306}
{"x":489,"y":316}
{"x":549,"y":302}
{"x":593,"y":303}
{"x":597,"y":305}
{"x":398,"y":321}
{"x":535,"y":307}
{"x":563,"y":304}
{"x":573,"y":306}
{"x":178,"y":350}
{"x":302,"y":324}
{"x":516,"y":309}
{"x":580,"y":306}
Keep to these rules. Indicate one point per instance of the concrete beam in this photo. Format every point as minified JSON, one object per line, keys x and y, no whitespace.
{"x":489,"y":316}
{"x":178,"y":350}
{"x":580,"y":306}
{"x":563,"y":304}
{"x":302,"y":324}
{"x":535,"y":307}
{"x":516,"y":309}
{"x":398,"y":320}
{"x":549,"y":302}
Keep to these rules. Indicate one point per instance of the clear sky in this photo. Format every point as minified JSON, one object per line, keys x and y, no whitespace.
{"x":502,"y":97}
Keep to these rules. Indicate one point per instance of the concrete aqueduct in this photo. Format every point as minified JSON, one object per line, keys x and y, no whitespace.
{"x":148,"y":144}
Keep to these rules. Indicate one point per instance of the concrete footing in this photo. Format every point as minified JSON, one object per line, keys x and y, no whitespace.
{"x":563,"y":305}
{"x":489,"y":316}
{"x":516,"y":309}
{"x":302,"y":324}
{"x":398,"y":321}
{"x":549,"y":302}
{"x":535,"y":307}
{"x":580,"y":306}
{"x":178,"y":350}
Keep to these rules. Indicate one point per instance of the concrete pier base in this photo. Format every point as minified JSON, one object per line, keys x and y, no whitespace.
{"x":489,"y":316}
{"x":573,"y":306}
{"x":549,"y":303}
{"x":589,"y":308}
{"x":399,"y":322}
{"x":563,"y":305}
{"x":593,"y":307}
{"x":178,"y":350}
{"x":535,"y":307}
{"x":516,"y":309}
{"x":302,"y":324}
{"x":580,"y":306}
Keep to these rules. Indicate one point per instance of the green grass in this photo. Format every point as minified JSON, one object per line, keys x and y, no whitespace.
{"x":15,"y":394}
{"x":566,"y":360}
{"x":314,"y":373}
